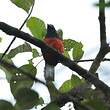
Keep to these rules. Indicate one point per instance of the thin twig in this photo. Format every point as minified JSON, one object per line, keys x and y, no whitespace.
{"x":89,"y":60}
{"x":39,"y":62}
{"x":19,"y":29}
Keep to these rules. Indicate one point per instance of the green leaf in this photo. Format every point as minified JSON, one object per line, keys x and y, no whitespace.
{"x":75,"y":80}
{"x":37,"y":27}
{"x":51,"y":106}
{"x":66,"y":86}
{"x":24,"y":4}
{"x":21,"y":48}
{"x":69,"y":84}
{"x":26,"y":98}
{"x":20,"y":80}
{"x":40,"y":101}
{"x":96,"y":104}
{"x":66,"y":53}
{"x":107,"y":4}
{"x":8,"y":70}
{"x":77,"y":51}
{"x":35,"y":53}
{"x":103,"y":5}
{"x":6,"y":58}
{"x":69,"y":44}
{"x":31,"y":61}
{"x":5,"y":105}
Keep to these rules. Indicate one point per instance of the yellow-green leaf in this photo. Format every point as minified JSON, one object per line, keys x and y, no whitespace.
{"x":76,"y":47}
{"x":37,"y":27}
{"x":69,"y":44}
{"x":24,"y":4}
{"x":35,"y":53}
{"x":69,"y":84}
{"x":77,"y":51}
{"x":66,"y":53}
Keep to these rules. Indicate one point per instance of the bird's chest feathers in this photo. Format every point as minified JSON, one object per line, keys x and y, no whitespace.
{"x":56,"y":44}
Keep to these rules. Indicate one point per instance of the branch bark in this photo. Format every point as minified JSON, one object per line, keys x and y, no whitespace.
{"x":64,"y":60}
{"x":104,"y":47}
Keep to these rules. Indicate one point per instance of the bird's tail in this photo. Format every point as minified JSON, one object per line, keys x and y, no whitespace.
{"x":49,"y":72}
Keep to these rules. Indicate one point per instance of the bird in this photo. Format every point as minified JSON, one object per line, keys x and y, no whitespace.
{"x":55,"y":41}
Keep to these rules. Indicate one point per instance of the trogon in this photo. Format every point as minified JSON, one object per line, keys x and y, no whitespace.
{"x":54,"y":40}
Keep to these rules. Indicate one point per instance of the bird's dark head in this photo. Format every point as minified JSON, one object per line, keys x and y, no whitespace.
{"x":51,"y":31}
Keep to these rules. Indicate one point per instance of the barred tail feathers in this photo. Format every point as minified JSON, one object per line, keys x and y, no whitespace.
{"x":49,"y":72}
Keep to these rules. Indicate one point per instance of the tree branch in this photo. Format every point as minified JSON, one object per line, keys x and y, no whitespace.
{"x":64,"y":60}
{"x":102,"y":22}
{"x":89,"y":60}
{"x":104,"y":47}
{"x":74,"y":95}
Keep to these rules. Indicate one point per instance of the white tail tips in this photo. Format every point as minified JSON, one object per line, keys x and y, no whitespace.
{"x":49,"y":72}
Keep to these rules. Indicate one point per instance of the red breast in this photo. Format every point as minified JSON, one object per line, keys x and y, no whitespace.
{"x":55,"y":43}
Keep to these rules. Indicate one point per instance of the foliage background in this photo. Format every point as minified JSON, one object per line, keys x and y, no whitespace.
{"x":76,"y":24}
